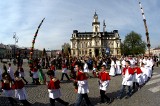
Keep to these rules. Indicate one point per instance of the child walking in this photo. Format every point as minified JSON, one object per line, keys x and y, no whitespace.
{"x":104,"y":79}
{"x":7,"y":88}
{"x":54,"y":90}
{"x":20,"y":92}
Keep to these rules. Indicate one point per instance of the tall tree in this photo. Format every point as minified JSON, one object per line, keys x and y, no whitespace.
{"x":133,"y":44}
{"x":44,"y":52}
{"x":66,"y":48}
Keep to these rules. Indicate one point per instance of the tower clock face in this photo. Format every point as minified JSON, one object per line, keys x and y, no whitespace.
{"x":96,"y":28}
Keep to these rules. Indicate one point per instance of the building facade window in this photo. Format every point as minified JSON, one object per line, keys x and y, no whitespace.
{"x":73,"y":52}
{"x":86,"y":52}
{"x":117,"y":44}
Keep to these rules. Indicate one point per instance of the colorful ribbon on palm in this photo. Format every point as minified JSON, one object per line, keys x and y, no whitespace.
{"x":33,"y":41}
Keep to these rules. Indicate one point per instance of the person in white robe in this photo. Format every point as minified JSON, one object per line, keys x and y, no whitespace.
{"x":118,"y":67}
{"x":144,"y":73}
{"x":85,"y":67}
{"x":112,"y":71}
{"x":127,"y":76}
{"x":10,"y":72}
{"x":148,"y":66}
{"x":123,"y":63}
{"x":138,"y":79}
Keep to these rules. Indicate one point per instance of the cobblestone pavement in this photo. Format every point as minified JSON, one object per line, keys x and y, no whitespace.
{"x":38,"y":94}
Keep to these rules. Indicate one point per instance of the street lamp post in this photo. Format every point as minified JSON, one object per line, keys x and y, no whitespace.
{"x":15,"y":37}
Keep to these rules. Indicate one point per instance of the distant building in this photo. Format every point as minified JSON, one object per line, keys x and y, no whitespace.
{"x":156,"y":52}
{"x":15,"y":50}
{"x":95,"y":43}
{"x":55,"y":53}
{"x":49,"y":53}
{"x":8,"y":52}
{"x":2,"y":51}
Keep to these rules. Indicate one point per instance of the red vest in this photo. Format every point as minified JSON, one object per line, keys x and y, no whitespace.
{"x":81,"y":76}
{"x":52,"y":67}
{"x":6,"y":86}
{"x":138,"y":70}
{"x":64,"y":66}
{"x":54,"y":85}
{"x":34,"y":69}
{"x":18,"y":84}
{"x":130,"y":70}
{"x":104,"y":76}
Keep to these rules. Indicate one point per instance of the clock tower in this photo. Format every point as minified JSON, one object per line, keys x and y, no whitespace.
{"x":95,"y":23}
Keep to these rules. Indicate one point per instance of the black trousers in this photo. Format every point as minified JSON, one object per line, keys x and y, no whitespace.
{"x":52,"y":101}
{"x":24,"y":80}
{"x":135,"y":84}
{"x":12,"y":101}
{"x":36,"y":81}
{"x":25,"y":103}
{"x":80,"y":98}
{"x":103,"y":96}
{"x":65,"y":75}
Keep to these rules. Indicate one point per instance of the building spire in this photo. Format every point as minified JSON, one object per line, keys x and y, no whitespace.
{"x":104,"y":26}
{"x":96,"y":23}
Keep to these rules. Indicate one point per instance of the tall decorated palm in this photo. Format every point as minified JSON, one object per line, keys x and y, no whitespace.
{"x":33,"y":42}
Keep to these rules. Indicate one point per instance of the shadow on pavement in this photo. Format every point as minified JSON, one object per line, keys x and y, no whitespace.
{"x":96,"y":100}
{"x":4,"y":101}
{"x":41,"y":104}
{"x":30,"y":85}
{"x":47,"y":104}
{"x":66,"y":81}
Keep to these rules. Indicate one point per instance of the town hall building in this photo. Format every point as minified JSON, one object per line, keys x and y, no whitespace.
{"x":96,"y":43}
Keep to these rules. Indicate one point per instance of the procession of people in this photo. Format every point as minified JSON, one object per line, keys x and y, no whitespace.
{"x":135,"y":72}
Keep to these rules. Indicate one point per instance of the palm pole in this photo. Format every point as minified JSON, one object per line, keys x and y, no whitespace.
{"x":146,"y":28}
{"x":33,"y":41}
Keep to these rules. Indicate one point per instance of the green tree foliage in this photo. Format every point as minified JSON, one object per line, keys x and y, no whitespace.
{"x":44,"y":52}
{"x":133,"y":44}
{"x":66,"y":48}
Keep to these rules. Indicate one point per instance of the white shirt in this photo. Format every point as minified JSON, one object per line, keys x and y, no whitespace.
{"x":86,"y":68}
{"x":83,"y":87}
{"x":11,"y":72}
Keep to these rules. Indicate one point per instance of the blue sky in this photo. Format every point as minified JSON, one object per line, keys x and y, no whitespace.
{"x":64,"y":16}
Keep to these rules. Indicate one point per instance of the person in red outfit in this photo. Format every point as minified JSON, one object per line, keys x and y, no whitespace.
{"x":35,"y":76}
{"x":104,"y":79}
{"x":21,"y":74}
{"x":53,"y":68}
{"x":7,"y":88}
{"x":138,"y":79}
{"x":64,"y":71}
{"x":20,"y":92}
{"x":82,"y":86}
{"x":54,"y":90}
{"x":127,"y":76}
